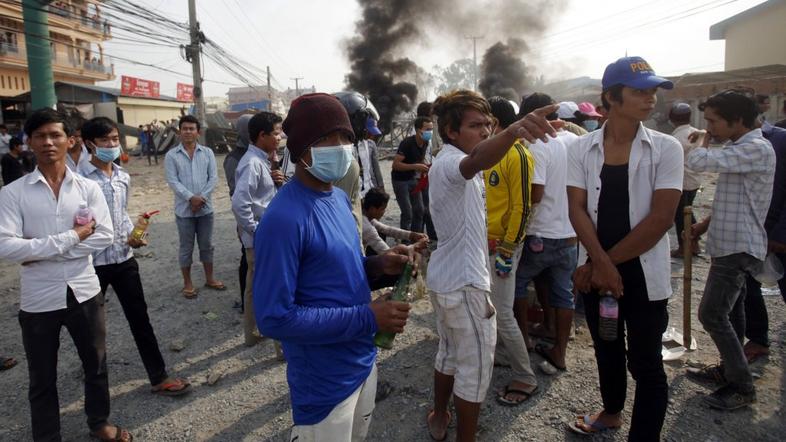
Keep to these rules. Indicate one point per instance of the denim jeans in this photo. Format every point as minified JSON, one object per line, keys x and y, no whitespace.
{"x":556,"y":263}
{"x":411,"y":205}
{"x":202,"y":228}
{"x":722,"y":313}
{"x":756,"y":319}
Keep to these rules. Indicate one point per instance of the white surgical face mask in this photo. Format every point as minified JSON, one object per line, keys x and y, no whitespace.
{"x":330,"y":163}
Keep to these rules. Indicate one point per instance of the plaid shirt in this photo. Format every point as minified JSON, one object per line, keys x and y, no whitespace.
{"x":742,"y":197}
{"x":115,"y":190}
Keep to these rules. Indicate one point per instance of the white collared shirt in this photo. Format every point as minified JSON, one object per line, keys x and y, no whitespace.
{"x":656,"y":162}
{"x":84,"y":157}
{"x":458,"y":209}
{"x":36,"y":229}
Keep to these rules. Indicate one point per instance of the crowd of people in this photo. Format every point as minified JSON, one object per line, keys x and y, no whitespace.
{"x":573,"y":199}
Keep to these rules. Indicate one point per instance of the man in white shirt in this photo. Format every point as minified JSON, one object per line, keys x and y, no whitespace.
{"x":679,"y":116}
{"x":624,"y":184}
{"x":255,"y":187}
{"x":458,"y":276}
{"x":550,"y":243}
{"x":5,"y":140}
{"x":59,"y":286}
{"x":78,"y":153}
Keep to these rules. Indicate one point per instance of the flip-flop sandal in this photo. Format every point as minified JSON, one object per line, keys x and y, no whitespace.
{"x":219,"y":286}
{"x":595,"y":426}
{"x":171,"y":388}
{"x":444,"y":436}
{"x":501,"y":396}
{"x":118,"y":437}
{"x":543,"y":353}
{"x":8,"y":363}
{"x":189,"y":294}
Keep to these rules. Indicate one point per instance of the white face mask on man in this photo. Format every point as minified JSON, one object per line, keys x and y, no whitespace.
{"x":329,"y":163}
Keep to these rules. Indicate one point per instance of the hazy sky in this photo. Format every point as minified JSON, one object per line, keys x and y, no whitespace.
{"x":304,"y":38}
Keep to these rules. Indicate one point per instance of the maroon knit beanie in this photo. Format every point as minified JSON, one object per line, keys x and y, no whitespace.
{"x":311,"y":117}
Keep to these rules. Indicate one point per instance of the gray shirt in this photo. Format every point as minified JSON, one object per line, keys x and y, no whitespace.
{"x":254,"y":190}
{"x":188,"y":176}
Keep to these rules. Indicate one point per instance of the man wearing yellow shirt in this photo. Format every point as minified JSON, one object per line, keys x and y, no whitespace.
{"x":508,"y":186}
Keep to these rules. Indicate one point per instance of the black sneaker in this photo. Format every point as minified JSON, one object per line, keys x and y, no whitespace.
{"x":710,"y":373}
{"x":730,"y":398}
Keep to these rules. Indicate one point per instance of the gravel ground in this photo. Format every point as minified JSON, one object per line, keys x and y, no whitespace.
{"x":202,"y":339}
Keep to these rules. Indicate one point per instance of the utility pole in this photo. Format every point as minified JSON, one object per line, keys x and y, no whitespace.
{"x":297,"y":85}
{"x":475,"y":39}
{"x":269,"y":92}
{"x":193,"y":54}
{"x":39,"y":55}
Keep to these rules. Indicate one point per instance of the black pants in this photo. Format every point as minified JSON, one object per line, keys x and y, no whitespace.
{"x":679,"y":218}
{"x":124,"y":279}
{"x":645,"y":322}
{"x":86,"y":323}
{"x":242,"y":270}
{"x":756,"y":319}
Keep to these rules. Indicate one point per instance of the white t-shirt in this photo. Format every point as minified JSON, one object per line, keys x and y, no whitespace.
{"x":458,"y":210}
{"x":364,"y":158}
{"x":550,"y":218}
{"x":5,"y":144}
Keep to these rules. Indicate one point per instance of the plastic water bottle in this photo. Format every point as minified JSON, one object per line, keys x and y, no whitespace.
{"x":385,"y":339}
{"x":84,"y":215}
{"x":609,"y":317}
{"x":140,"y":228}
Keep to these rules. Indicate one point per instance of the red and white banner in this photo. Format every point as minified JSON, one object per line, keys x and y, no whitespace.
{"x":185,"y":92}
{"x":137,"y":87}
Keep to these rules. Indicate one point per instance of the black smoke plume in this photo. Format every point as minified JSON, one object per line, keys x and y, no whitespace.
{"x":503,"y":71}
{"x":376,"y":71}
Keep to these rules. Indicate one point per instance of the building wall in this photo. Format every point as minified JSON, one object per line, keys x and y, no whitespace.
{"x":13,"y":82}
{"x":138,"y":111}
{"x":757,"y":40}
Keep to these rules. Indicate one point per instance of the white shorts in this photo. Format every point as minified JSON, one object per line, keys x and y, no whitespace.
{"x":467,"y":330}
{"x":347,"y":422}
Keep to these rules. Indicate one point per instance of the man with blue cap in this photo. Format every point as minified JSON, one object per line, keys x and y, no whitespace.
{"x":624,"y":184}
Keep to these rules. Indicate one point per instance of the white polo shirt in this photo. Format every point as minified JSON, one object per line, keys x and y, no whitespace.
{"x":458,"y":209}
{"x":550,"y":218}
{"x":656,"y":162}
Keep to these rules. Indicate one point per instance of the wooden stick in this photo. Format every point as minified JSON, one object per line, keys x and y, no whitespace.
{"x":687,"y":275}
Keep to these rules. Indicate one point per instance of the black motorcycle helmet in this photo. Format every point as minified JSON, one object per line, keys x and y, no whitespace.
{"x":359,"y":109}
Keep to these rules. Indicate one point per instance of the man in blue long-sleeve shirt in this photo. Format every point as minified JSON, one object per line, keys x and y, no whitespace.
{"x":191,"y":173}
{"x":311,"y":285}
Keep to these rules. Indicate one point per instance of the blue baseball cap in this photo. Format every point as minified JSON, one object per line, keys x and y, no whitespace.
{"x":371,"y":127}
{"x":633,"y":72}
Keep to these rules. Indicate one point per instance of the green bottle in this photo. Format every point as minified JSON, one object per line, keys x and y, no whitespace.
{"x":385,"y":339}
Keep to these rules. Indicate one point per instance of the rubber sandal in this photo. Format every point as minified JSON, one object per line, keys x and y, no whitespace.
{"x":218,"y":286}
{"x":8,"y":363}
{"x":501,"y":398}
{"x":595,"y":426}
{"x":189,"y":294}
{"x":543,"y":353}
{"x":170,"y":388}
{"x":428,"y":424}
{"x":118,"y":437}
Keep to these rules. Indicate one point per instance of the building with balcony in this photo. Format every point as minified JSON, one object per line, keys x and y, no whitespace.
{"x":77,"y":30}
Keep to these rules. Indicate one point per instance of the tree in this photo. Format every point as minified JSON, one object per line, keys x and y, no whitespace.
{"x":458,"y":75}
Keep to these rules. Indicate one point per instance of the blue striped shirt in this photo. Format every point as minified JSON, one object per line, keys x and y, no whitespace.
{"x":115,"y":190}
{"x":188,"y":177}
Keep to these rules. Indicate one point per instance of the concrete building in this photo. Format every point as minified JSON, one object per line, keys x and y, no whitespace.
{"x":77,"y":30}
{"x":754,"y":37}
